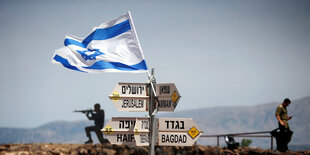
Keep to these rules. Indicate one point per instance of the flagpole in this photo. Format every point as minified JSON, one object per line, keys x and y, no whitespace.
{"x":152,"y":93}
{"x":135,"y":33}
{"x":138,"y":42}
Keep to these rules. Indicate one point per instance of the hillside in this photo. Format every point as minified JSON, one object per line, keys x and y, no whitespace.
{"x":217,"y":120}
{"x":222,"y":120}
{"x":54,"y":132}
{"x":108,"y":149}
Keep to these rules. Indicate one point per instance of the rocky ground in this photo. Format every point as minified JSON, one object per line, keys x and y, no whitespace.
{"x":108,"y":149}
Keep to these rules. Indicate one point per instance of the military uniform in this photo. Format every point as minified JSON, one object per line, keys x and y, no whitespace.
{"x":285,"y":134}
{"x":282,"y":112}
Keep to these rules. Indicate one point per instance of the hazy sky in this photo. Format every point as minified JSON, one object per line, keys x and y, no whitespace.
{"x":218,"y":53}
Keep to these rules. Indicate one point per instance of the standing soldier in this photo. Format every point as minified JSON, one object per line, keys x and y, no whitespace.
{"x":98,"y":117}
{"x":285,"y":134}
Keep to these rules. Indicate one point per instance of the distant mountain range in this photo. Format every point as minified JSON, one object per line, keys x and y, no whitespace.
{"x":217,"y":120}
{"x":54,"y":132}
{"x":238,"y":119}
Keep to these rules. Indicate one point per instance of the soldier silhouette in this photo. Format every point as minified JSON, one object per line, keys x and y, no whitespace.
{"x":98,"y":116}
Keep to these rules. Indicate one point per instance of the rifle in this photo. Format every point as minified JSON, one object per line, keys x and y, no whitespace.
{"x":84,"y":111}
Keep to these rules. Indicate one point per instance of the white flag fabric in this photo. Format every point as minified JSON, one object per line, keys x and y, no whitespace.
{"x":111,"y":47}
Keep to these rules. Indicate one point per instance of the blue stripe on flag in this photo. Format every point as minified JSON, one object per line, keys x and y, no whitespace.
{"x":65,"y":63}
{"x":73,"y":42}
{"x":100,"y":65}
{"x":107,"y":33}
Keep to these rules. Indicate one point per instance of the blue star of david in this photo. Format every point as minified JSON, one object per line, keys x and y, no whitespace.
{"x":90,"y":56}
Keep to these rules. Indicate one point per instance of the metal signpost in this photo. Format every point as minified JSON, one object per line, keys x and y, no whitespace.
{"x":148,"y":131}
{"x":152,"y":106}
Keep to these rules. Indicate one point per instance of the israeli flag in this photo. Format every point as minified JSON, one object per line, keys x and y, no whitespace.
{"x":111,"y":47}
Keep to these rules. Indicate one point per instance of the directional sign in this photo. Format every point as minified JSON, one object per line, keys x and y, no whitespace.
{"x":135,"y":97}
{"x":130,"y":97}
{"x":177,"y":131}
{"x":127,"y":130}
{"x":136,"y":131}
{"x":168,"y":96}
{"x":141,"y":131}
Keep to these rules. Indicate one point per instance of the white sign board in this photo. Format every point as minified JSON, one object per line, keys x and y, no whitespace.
{"x":168,"y":96}
{"x":127,"y":130}
{"x":130,"y":97}
{"x":177,"y":132}
{"x":141,"y":131}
